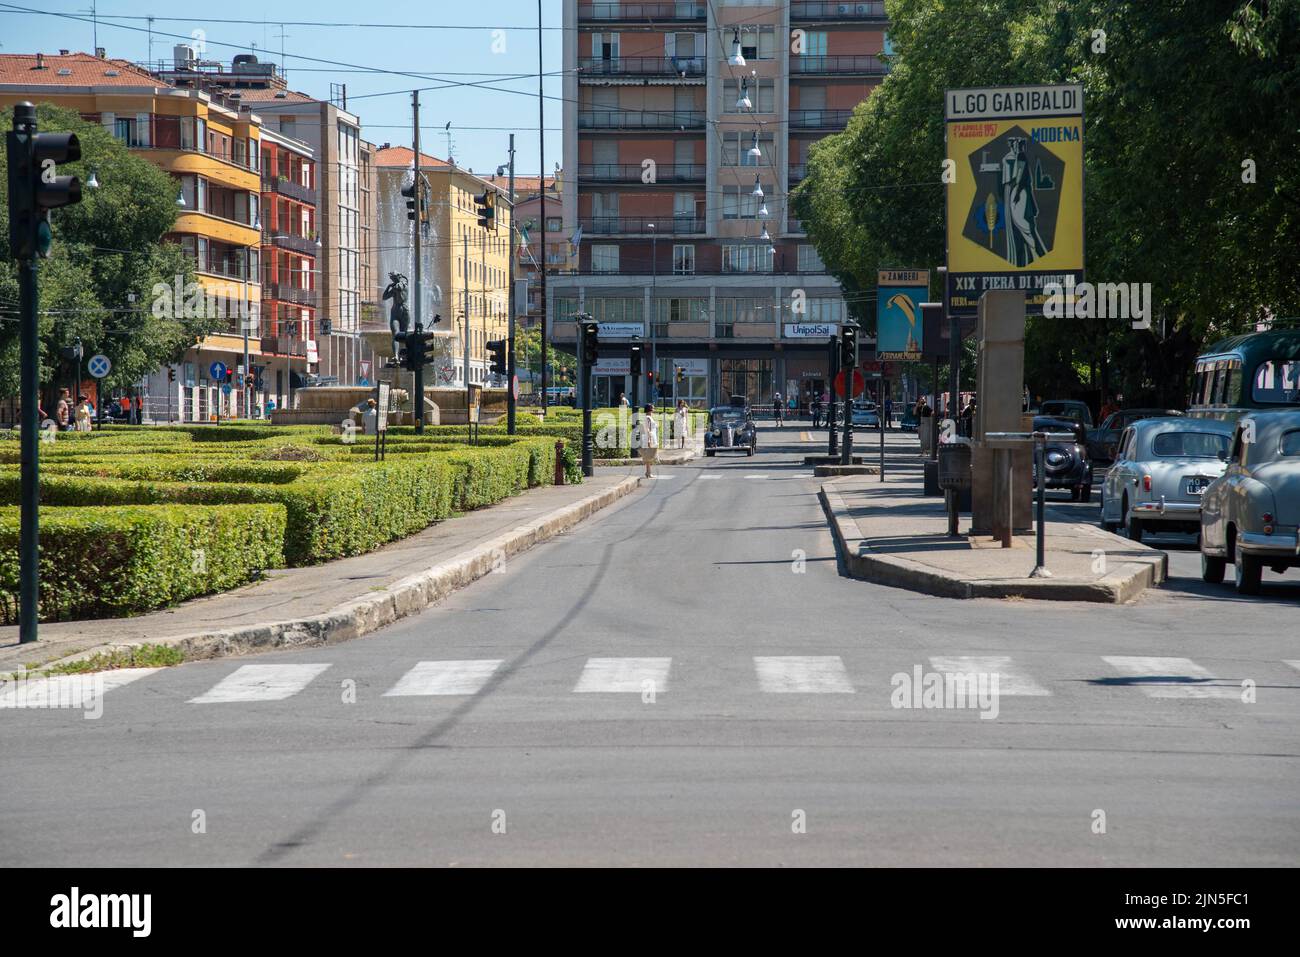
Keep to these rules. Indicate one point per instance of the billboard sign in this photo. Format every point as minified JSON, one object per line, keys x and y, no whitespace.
{"x":1015,"y":191}
{"x":810,"y":330}
{"x":900,"y":332}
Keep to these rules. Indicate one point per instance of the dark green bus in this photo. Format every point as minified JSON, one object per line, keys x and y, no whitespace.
{"x":1257,"y":371}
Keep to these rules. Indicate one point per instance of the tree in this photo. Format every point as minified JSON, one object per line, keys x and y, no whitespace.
{"x":108,"y":254}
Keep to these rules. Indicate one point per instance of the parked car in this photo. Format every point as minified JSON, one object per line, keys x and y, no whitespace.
{"x":1065,"y":461}
{"x":1103,"y":440}
{"x":866,"y":414}
{"x":1162,"y":468}
{"x":1071,"y":409}
{"x":730,"y":429}
{"x":1250,"y":516}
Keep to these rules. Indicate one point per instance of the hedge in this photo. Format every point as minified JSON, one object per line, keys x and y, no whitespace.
{"x":103,"y":562}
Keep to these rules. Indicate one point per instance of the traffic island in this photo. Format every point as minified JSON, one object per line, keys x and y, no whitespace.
{"x":822,"y":471}
{"x":892,"y":534}
{"x":829,"y":460}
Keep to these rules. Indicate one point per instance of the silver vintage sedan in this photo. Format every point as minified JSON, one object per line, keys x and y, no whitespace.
{"x":1251,"y":515}
{"x":1162,"y":468}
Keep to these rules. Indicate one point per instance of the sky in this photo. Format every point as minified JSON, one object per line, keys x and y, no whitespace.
{"x":372,"y":49}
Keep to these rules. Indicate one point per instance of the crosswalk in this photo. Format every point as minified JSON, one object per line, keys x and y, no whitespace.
{"x":1157,"y":677}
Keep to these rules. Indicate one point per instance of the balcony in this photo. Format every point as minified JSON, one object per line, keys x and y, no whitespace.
{"x":641,"y":120}
{"x":804,"y":10}
{"x":633,"y":173}
{"x":641,"y":226}
{"x":819,"y":119}
{"x":299,"y":244}
{"x":284,"y":346}
{"x":287,"y":187}
{"x":864,"y":65}
{"x":682,"y":12}
{"x":287,"y":293}
{"x":641,"y":66}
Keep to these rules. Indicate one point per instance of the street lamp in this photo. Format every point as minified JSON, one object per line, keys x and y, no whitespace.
{"x":737,"y":58}
{"x":754,"y":151}
{"x":743,"y":102}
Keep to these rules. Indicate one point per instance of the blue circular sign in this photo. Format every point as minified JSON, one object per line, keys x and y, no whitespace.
{"x":99,"y":366}
{"x":227,"y":389}
{"x":217,"y":370}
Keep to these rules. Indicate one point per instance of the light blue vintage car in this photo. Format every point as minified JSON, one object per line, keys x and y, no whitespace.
{"x":1162,"y":468}
{"x":1251,"y":515}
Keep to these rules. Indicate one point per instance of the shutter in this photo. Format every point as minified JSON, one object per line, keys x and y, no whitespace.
{"x":108,"y":121}
{"x":142,"y":130}
{"x":670,"y":45}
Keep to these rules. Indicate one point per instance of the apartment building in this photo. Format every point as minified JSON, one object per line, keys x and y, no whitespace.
{"x":465,"y":268}
{"x":212,"y":146}
{"x":686,"y":124}
{"x":346,"y":290}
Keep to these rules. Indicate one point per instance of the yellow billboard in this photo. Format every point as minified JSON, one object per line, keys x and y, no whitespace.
{"x":1014,"y":191}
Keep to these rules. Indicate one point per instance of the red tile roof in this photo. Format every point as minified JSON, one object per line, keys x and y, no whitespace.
{"x":404,"y":156}
{"x":259,"y":94}
{"x":82,"y":69}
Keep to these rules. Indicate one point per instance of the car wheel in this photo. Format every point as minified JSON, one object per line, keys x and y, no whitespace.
{"x":1133,"y":525}
{"x":1074,"y":493}
{"x":750,"y":450}
{"x":1249,"y":570}
{"x":1085,"y":493}
{"x":709,"y":453}
{"x":1212,"y":568}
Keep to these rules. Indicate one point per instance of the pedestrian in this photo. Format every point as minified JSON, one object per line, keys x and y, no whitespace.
{"x":778,"y":410}
{"x":63,"y":411}
{"x":816,"y":412}
{"x":794,"y":408}
{"x":84,"y":413}
{"x":679,"y":423}
{"x":370,"y":418}
{"x":889,"y":413}
{"x":646,"y":437}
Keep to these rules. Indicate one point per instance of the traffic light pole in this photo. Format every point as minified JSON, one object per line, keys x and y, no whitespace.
{"x":850,"y":363}
{"x":510,"y":323}
{"x":832,"y":441}
{"x":588,"y":446}
{"x":29,"y":537}
{"x":418,"y":297}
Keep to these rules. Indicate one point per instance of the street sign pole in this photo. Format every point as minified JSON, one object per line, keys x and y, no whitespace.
{"x":588,"y":449}
{"x":29,"y":536}
{"x":832,"y":445}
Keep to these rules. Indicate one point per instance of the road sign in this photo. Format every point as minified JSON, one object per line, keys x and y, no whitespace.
{"x":899,"y":329}
{"x":217,"y":370}
{"x":227,"y":389}
{"x":1015,"y":195}
{"x":859,"y":383}
{"x":99,"y":366}
{"x":514,"y":385}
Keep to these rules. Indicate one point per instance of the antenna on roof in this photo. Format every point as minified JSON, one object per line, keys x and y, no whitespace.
{"x":447,"y":130}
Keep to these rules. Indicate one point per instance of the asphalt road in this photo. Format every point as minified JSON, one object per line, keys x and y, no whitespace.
{"x":687,"y":679}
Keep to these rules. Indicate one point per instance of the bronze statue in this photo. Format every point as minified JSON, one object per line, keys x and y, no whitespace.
{"x":399,"y":317}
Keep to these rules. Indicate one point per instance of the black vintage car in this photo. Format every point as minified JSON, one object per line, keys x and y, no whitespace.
{"x":730,"y":430}
{"x":1065,"y":461}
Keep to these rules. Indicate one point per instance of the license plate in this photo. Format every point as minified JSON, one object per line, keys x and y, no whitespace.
{"x":1197,"y":485}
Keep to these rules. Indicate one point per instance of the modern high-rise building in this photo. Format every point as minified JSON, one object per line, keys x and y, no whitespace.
{"x":686,"y":124}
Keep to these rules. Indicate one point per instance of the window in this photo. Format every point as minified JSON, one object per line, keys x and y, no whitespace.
{"x":757,"y":41}
{"x":736,"y":147}
{"x":762,"y":95}
{"x":809,"y":261}
{"x":814,"y":43}
{"x":738,"y":202}
{"x":604,"y":258}
{"x":684,"y":260}
{"x":823,"y":309}
{"x":1290,"y":444}
{"x":747,"y":258}
{"x":1198,"y":445}
{"x":553,"y":224}
{"x":682,"y":310}
{"x":1277,"y":381}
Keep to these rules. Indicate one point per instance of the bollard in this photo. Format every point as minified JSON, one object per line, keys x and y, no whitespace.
{"x":559,"y":461}
{"x":1040,"y":564}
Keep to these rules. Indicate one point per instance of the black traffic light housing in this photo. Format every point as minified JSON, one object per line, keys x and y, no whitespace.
{"x":848,"y":346}
{"x":497,"y":348}
{"x":590,"y":343}
{"x":636,"y":359}
{"x":416,"y":348}
{"x":34,"y":184}
{"x":485,"y":202}
{"x":681,"y":375}
{"x":171,"y":374}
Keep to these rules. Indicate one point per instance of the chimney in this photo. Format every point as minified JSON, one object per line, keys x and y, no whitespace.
{"x":101,"y":53}
{"x":40,"y":61}
{"x":63,"y":53}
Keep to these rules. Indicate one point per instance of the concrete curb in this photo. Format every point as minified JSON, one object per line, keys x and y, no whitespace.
{"x":1121,"y":585}
{"x":407,"y":596}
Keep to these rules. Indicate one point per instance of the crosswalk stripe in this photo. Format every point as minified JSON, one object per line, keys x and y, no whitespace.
{"x":622,"y":675}
{"x":260,"y":683}
{"x":755,"y":476}
{"x":805,"y":674}
{"x":1293,"y":663}
{"x":445,"y":677}
{"x":66,"y":691}
{"x":1011,"y":679}
{"x":805,"y":436}
{"x":707,"y":476}
{"x":1171,"y":677}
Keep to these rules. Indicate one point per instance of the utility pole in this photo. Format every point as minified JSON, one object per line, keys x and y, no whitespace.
{"x":510,"y":303}
{"x":541,"y":185}
{"x":418,"y":185}
{"x":464,"y":297}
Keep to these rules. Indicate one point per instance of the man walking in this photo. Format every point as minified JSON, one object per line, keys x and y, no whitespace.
{"x":778,"y":410}
{"x":816,"y":412}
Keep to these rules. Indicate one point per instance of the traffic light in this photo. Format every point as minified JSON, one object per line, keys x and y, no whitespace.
{"x":171,"y":374}
{"x":497,"y":347}
{"x":326,"y":327}
{"x":848,"y":346}
{"x":34,"y":186}
{"x":636,"y":359}
{"x":485,"y":202}
{"x":681,"y":375}
{"x":417,"y":349}
{"x":590,"y":343}
{"x":409,"y":193}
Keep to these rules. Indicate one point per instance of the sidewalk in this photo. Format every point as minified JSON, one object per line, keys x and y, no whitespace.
{"x":893,"y":535}
{"x":339,"y":600}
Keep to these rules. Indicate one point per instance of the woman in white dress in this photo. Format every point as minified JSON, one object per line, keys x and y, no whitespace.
{"x":679,"y":422}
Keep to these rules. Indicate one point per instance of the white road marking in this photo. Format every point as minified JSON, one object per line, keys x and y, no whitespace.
{"x":1011,"y":680}
{"x":445,"y":677}
{"x":706,"y":476}
{"x":1172,"y":677}
{"x":1293,"y":663}
{"x":661,"y":477}
{"x":622,"y":675}
{"x":260,"y":683}
{"x":805,"y":437}
{"x":803,"y":674}
{"x":755,"y":476}
{"x":66,"y":691}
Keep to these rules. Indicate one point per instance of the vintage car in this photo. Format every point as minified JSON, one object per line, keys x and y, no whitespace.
{"x":1162,"y":467}
{"x":1104,"y":439}
{"x":1065,"y":461}
{"x":1071,"y":409}
{"x":866,"y":414}
{"x":1250,"y":515}
{"x":730,"y":429}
